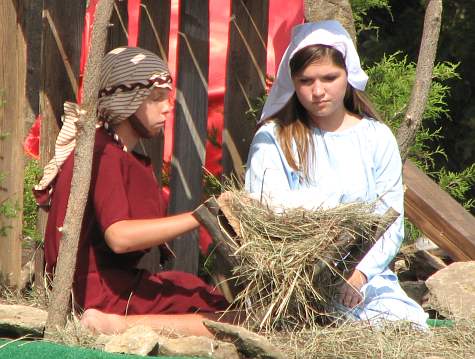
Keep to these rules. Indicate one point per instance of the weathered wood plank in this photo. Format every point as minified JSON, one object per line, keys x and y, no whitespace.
{"x":61,"y":52}
{"x":190,"y":124}
{"x":245,"y":79}
{"x":438,"y":215}
{"x":153,"y":36}
{"x":13,"y":100}
{"x":117,"y":31}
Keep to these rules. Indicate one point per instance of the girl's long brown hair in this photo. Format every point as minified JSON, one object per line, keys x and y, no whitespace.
{"x":293,"y":123}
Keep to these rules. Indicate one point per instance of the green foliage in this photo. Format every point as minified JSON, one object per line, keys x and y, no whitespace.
{"x":30,"y":209}
{"x":391,"y":81}
{"x":459,"y":184}
{"x":360,"y":10}
{"x":390,"y":85}
{"x":253,"y":114}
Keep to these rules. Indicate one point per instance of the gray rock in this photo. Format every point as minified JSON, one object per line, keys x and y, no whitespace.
{"x":197,"y":346}
{"x":19,"y":320}
{"x":452,"y":290}
{"x":247,"y":343}
{"x":139,"y":340}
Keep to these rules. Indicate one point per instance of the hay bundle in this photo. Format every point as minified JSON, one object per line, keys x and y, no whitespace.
{"x":290,"y":264}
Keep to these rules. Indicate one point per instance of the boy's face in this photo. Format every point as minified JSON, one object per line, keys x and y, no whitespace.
{"x":154,"y":111}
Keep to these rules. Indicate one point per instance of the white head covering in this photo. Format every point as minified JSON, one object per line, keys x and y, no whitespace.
{"x":328,"y":32}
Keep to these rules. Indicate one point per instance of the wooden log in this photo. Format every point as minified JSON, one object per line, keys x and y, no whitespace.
{"x":12,"y":104}
{"x":245,"y":79}
{"x":190,"y":125}
{"x":438,"y":215}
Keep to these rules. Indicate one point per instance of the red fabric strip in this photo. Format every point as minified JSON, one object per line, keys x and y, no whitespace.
{"x":133,"y":9}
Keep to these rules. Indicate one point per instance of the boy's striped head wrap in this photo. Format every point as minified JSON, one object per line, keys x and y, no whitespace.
{"x":128,"y":75}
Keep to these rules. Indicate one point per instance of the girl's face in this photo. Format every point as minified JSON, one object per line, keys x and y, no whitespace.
{"x":321,"y":88}
{"x":154,"y":111}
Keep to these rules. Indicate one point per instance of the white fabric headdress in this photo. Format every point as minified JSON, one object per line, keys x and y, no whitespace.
{"x":328,"y":32}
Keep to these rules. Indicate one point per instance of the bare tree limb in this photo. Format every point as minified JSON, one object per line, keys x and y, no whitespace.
{"x":420,"y":92}
{"x":59,"y":306}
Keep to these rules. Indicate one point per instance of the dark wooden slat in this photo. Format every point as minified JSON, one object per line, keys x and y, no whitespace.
{"x":190,"y":124}
{"x":60,"y":56}
{"x":245,"y":79}
{"x":153,"y":36}
{"x":438,"y":215}
{"x":117,"y":32}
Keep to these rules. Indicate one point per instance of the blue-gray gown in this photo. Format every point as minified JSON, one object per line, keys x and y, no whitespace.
{"x":359,"y":164}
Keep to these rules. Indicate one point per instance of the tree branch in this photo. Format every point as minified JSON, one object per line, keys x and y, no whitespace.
{"x":420,"y":92}
{"x":59,"y":306}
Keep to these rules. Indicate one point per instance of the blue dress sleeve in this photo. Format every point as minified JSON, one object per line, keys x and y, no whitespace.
{"x":265,"y":168}
{"x":390,"y":193}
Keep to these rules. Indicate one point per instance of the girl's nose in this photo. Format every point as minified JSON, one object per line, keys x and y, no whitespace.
{"x":318,"y":89}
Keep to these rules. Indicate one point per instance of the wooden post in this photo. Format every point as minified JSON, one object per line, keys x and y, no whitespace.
{"x":12,"y":97}
{"x":245,"y":79}
{"x":190,"y":124}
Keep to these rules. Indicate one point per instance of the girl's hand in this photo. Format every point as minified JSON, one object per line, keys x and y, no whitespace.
{"x":350,"y":295}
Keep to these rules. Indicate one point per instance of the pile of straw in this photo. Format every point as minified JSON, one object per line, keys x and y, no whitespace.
{"x":395,"y":340}
{"x":291,"y":263}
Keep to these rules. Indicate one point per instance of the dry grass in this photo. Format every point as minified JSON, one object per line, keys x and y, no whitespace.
{"x":290,"y":263}
{"x":394,"y":340}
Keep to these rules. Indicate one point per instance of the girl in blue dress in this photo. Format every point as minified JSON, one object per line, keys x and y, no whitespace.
{"x":321,"y":143}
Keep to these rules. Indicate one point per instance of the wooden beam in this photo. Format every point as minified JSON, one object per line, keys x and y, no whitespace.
{"x":190,"y":124}
{"x":12,"y":105}
{"x":438,"y":215}
{"x":245,"y":79}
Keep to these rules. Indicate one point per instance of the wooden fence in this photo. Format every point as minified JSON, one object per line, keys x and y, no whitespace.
{"x":61,"y":37}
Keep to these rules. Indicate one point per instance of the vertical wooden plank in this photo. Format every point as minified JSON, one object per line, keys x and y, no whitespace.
{"x":60,"y":56}
{"x":153,"y":36}
{"x":12,"y":90}
{"x":245,"y":79}
{"x":190,"y":124}
{"x":31,"y":23}
{"x":117,"y":32}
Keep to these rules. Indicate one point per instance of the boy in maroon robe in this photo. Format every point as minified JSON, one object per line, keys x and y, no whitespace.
{"x":124,"y":215}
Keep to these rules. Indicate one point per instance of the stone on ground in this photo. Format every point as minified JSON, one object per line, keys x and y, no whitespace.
{"x":20,"y":320}
{"x":138,"y":340}
{"x":452,"y":291}
{"x":247,"y":343}
{"x":197,"y":346}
